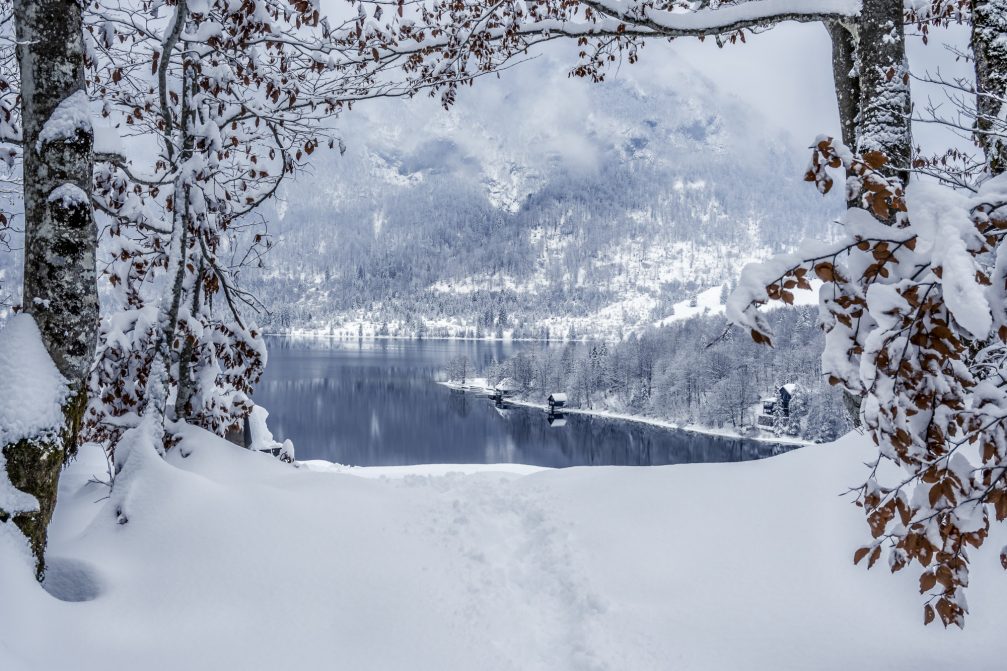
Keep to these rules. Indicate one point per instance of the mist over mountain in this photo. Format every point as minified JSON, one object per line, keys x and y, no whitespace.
{"x":542,"y":203}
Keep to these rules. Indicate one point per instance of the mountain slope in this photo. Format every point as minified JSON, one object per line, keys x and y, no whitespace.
{"x":543,"y":202}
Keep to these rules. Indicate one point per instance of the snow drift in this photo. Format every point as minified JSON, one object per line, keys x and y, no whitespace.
{"x":231,"y":559}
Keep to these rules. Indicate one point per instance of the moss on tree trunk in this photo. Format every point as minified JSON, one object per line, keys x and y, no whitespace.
{"x":33,"y":466}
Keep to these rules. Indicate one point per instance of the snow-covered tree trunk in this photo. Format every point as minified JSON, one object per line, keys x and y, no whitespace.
{"x":158,"y":385}
{"x":846,"y":81}
{"x":874,"y":103}
{"x":186,"y":383}
{"x":989,"y":46}
{"x":884,"y":86}
{"x":60,"y":289}
{"x":844,"y":75}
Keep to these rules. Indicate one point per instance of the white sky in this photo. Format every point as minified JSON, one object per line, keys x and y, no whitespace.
{"x":784,"y":75}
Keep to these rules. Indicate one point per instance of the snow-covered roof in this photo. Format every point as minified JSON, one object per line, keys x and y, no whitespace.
{"x":507,"y":384}
{"x":789,"y":388}
{"x":558,"y":397}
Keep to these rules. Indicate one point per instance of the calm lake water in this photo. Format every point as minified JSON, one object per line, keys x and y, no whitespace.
{"x":376,"y":403}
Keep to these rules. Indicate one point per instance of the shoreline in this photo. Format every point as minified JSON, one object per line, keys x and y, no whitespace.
{"x":312,"y":334}
{"x":639,"y":419}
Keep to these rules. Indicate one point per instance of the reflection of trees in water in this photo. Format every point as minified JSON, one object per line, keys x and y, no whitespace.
{"x":460,"y":402}
{"x":361,"y":407}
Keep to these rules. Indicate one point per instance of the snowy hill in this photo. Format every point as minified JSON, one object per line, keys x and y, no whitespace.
{"x":592,"y":206}
{"x":255,"y":564}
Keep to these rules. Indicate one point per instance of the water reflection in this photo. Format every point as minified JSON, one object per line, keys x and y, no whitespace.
{"x":375,"y":403}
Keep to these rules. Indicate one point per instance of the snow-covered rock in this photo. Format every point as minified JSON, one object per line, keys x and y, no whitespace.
{"x":262,"y":437}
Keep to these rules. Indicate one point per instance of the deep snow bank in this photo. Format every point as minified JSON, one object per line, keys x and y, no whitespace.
{"x":231,"y":559}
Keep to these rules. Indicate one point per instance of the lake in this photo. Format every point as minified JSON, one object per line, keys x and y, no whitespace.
{"x":377,"y":403}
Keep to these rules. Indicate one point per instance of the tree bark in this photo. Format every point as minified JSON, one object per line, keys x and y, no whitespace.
{"x":884,"y":86}
{"x":186,"y":385}
{"x":60,"y":287}
{"x":60,"y":235}
{"x":874,"y":101}
{"x":845,"y":78}
{"x":846,"y":82}
{"x":989,"y":47}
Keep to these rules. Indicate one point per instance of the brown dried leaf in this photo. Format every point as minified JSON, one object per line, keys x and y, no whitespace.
{"x":826,"y":271}
{"x":875,"y":159}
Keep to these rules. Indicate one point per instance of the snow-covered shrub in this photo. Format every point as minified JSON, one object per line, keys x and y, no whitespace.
{"x":914,"y":308}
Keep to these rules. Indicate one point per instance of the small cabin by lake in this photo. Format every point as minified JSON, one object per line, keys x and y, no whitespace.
{"x":556,"y":401}
{"x":503,"y":389}
{"x":776,"y":406}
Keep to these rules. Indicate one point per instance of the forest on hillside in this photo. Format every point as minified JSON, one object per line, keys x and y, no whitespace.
{"x":674,"y":373}
{"x":470,"y":223}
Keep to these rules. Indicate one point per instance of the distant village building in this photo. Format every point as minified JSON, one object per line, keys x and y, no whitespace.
{"x":506,"y":386}
{"x":504,"y":389}
{"x":778,"y":406}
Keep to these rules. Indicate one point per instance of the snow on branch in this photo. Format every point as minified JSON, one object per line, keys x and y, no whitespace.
{"x":913,"y":308}
{"x":725,"y":18}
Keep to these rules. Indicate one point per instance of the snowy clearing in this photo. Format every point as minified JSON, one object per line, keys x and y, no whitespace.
{"x":231,"y":559}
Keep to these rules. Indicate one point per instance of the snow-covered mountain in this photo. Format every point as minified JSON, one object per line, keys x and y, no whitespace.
{"x":543,"y":202}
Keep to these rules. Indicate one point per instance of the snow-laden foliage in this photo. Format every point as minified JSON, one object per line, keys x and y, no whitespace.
{"x":230,"y":99}
{"x":473,"y":36}
{"x":915,"y":324}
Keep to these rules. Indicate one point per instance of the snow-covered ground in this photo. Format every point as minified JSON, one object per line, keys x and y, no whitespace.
{"x":232,"y":559}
